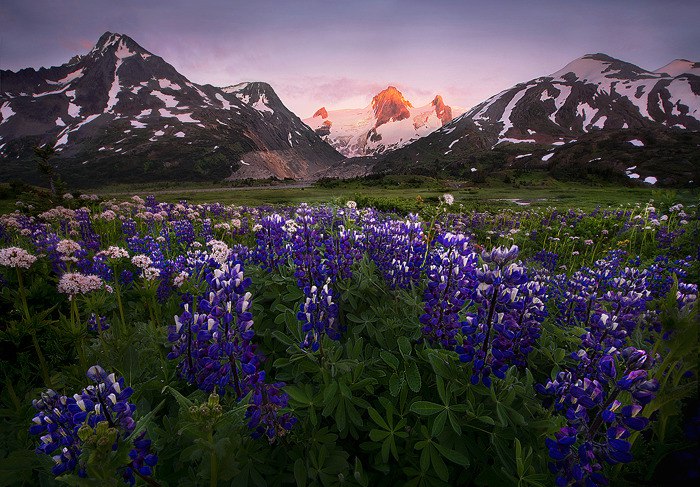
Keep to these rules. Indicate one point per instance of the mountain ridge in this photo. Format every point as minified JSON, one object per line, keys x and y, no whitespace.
{"x":123,"y":112}
{"x":596,"y":96}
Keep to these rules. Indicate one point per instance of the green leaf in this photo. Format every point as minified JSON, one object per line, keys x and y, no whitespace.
{"x":426,"y":408}
{"x":404,"y":346}
{"x":487,"y":420}
{"x":440,"y":382}
{"x":386,"y":446}
{"x":395,"y":384}
{"x":452,"y":455}
{"x":501,"y":413}
{"x":330,"y":392}
{"x":181,"y":400}
{"x":439,"y":423}
{"x":519,"y":458}
{"x":283,"y":337}
{"x":454,"y":423}
{"x":425,"y":460}
{"x":440,"y":365}
{"x":141,"y":424}
{"x":355,"y":319}
{"x":377,"y":418}
{"x":300,"y":472}
{"x":438,"y":464}
{"x":413,"y":376}
{"x":297,"y":394}
{"x":340,"y":416}
{"x":378,"y":435}
{"x":390,"y":359}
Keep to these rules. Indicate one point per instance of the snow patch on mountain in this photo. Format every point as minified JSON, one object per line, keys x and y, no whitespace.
{"x":73,"y":109}
{"x":169,"y":100}
{"x":262,"y":105}
{"x":508,"y":111}
{"x":68,"y":78}
{"x":6,"y":111}
{"x":166,"y":83}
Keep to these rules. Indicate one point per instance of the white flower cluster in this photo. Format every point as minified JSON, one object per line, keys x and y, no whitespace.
{"x":180,"y":279}
{"x":114,"y":252}
{"x":16,"y":258}
{"x":67,"y":247}
{"x":141,"y":261}
{"x":150,"y":273}
{"x":108,"y":215}
{"x":74,"y":283}
{"x":219,"y":250}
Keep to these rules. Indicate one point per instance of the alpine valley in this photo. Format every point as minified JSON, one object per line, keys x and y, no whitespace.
{"x":122,"y":114}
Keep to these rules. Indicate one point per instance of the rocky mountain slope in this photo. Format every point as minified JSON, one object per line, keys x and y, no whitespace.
{"x":120,"y":113}
{"x":596,"y":98}
{"x":389,"y":122}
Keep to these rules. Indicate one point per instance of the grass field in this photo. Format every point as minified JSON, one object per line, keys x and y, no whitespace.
{"x":396,"y":192}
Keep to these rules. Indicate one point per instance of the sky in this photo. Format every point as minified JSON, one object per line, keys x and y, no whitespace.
{"x":339,"y":54}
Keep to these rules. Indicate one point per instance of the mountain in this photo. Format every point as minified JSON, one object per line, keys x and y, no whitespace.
{"x":604,"y":100}
{"x":387,"y":123}
{"x":120,"y":113}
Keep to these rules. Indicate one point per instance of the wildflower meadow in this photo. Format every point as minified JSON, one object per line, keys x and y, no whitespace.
{"x":152,"y":343}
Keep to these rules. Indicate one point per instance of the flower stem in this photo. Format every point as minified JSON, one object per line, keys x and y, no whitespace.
{"x":42,"y":362}
{"x":118,"y":293}
{"x":213,"y":461}
{"x":23,"y":295}
{"x":35,"y":341}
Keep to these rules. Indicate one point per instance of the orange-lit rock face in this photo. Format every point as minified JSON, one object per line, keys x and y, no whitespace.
{"x":443,"y":112}
{"x":390,"y":105}
{"x":321,"y":112}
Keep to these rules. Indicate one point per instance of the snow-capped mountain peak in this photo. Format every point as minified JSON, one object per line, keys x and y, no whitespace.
{"x":390,"y":121}
{"x":321,"y":112}
{"x":679,"y":67}
{"x":119,"y":98}
{"x":389,"y":105}
{"x":592,"y":66}
{"x":121,"y":44}
{"x":591,"y":93}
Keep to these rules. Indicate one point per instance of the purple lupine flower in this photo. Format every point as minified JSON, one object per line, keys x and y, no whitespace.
{"x":598,"y":423}
{"x":184,"y":232}
{"x":319,"y":316}
{"x":398,"y":248}
{"x":97,"y":323}
{"x":263,"y":413}
{"x":310,"y":267}
{"x":271,"y":250}
{"x":501,"y":330}
{"x":450,"y":280}
{"x":60,"y":418}
{"x":214,"y":345}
